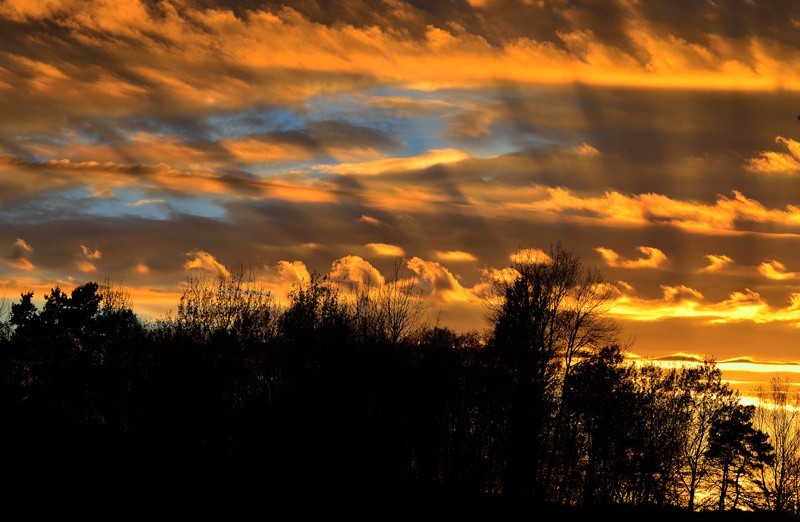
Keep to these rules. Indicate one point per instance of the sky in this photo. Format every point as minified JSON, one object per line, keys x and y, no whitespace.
{"x":144,"y":141}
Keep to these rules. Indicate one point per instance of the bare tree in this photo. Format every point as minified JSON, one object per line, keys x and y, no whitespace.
{"x":114,"y":296}
{"x":392,"y":309}
{"x":5,"y":316}
{"x":401,"y":304}
{"x":234,"y":304}
{"x":778,"y":416}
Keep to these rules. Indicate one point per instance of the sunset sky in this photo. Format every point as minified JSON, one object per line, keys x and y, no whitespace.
{"x":143,"y":140}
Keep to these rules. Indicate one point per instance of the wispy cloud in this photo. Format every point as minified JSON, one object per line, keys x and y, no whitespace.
{"x":455,"y":256}
{"x":384,"y":249}
{"x":716,"y":262}
{"x":770,"y":162}
{"x":651,"y":258}
{"x":200,"y":260}
{"x":19,"y":255}
{"x":775,"y":270}
{"x":422,"y":161}
{"x":86,"y":260}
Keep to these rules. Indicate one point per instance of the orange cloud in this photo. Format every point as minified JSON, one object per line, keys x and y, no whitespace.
{"x":293,"y":271}
{"x":422,"y":161}
{"x":680,"y":293}
{"x":776,"y":271}
{"x":455,"y":256}
{"x":490,"y":277}
{"x":85,"y":266}
{"x":586,"y":150}
{"x":280,"y":279}
{"x":653,"y":258}
{"x":681,"y":301}
{"x":354,"y":271}
{"x":200,"y":260}
{"x":625,"y":286}
{"x":107,"y":176}
{"x":182,"y":58}
{"x":405,"y":106}
{"x":530,"y":255}
{"x":769,"y":162}
{"x":716,"y":262}
{"x":728,"y":215}
{"x":91,"y":254}
{"x":504,"y":275}
{"x":253,"y":150}
{"x":384,"y":249}
{"x":438,"y":282}
{"x":370,"y":220}
{"x":84,"y":260}
{"x":145,"y":147}
{"x":18,"y":257}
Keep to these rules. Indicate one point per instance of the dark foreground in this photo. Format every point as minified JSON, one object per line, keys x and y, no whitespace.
{"x":326,"y":409}
{"x":238,"y":491}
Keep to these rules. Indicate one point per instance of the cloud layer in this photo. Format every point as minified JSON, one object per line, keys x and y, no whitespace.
{"x":147,"y":142}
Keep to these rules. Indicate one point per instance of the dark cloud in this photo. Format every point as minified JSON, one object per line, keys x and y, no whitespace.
{"x":499,"y":21}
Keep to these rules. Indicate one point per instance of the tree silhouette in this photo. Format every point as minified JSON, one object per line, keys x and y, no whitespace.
{"x":233,"y":305}
{"x":344,"y":400}
{"x":710,"y":398}
{"x":600,"y":395}
{"x":737,"y":449}
{"x":543,"y":319}
{"x":777,"y":415}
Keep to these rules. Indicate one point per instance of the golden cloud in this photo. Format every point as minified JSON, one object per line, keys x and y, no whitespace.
{"x":18,"y":257}
{"x":404,"y":106}
{"x":438,"y":282}
{"x":354,"y":271}
{"x":455,"y":256}
{"x":652,"y":258}
{"x":283,"y":277}
{"x":108,"y":176}
{"x":716,"y":262}
{"x":369,"y":219}
{"x":728,"y":215}
{"x":85,"y":260}
{"x":586,"y":150}
{"x":775,"y":270}
{"x":769,"y":162}
{"x":178,"y":58}
{"x":422,"y":161}
{"x":85,"y":266}
{"x":91,"y":254}
{"x":293,"y":271}
{"x":384,"y":249}
{"x":530,"y":255}
{"x":685,"y":302}
{"x":200,"y":260}
{"x":680,"y":292}
{"x":251,"y":150}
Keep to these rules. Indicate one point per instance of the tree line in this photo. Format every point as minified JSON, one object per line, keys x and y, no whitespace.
{"x":346,"y":392}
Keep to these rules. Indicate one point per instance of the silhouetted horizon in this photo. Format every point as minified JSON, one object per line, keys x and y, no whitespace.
{"x":345,"y":396}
